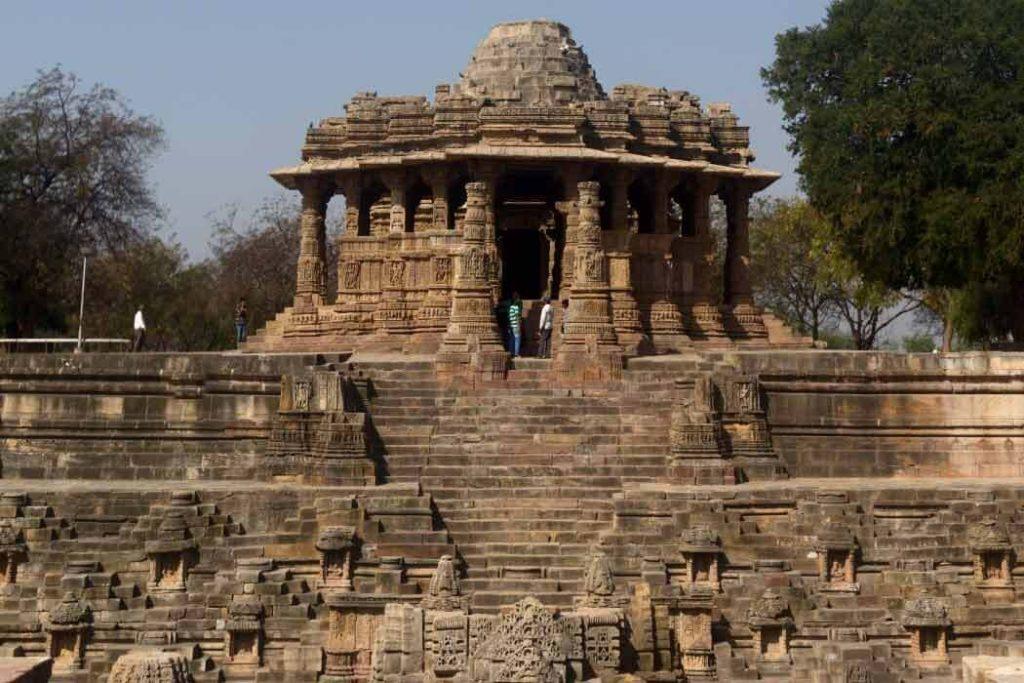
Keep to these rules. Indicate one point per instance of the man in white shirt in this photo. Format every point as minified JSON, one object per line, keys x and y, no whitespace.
{"x":545,"y":329}
{"x":139,"y":338}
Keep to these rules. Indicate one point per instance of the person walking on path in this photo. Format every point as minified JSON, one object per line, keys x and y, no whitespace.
{"x":241,"y":319}
{"x":515,"y":323}
{"x":139,"y":329}
{"x":546,"y":313}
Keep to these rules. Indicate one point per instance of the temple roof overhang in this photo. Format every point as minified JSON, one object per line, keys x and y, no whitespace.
{"x":290,"y":176}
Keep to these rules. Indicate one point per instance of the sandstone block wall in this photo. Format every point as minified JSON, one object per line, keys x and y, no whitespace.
{"x":301,"y":518}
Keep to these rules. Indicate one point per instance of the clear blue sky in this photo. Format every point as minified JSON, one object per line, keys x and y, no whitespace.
{"x":236,"y":83}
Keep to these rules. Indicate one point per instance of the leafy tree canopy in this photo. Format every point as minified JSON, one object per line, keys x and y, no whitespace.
{"x":73,"y":176}
{"x":908,"y":119}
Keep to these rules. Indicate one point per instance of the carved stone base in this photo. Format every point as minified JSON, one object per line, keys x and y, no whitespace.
{"x":744,"y":321}
{"x":667,"y":332}
{"x":704,"y":322}
{"x":704,"y":472}
{"x":589,"y":363}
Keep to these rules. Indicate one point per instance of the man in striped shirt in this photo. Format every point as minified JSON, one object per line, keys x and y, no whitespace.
{"x":515,"y":323}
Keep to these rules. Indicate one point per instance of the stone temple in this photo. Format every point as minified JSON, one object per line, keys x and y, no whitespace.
{"x":388,"y":498}
{"x":533,"y":180}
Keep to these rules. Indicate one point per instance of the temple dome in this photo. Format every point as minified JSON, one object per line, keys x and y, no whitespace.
{"x":531,"y":63}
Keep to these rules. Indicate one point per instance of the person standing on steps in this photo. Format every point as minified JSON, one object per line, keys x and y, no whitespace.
{"x":546,"y":313}
{"x":139,"y":331}
{"x":241,"y":320}
{"x":515,"y":323}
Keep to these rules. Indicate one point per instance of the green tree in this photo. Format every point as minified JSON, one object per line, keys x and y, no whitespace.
{"x":255,"y":258}
{"x":73,"y":167}
{"x":802,"y":276}
{"x":908,"y":119}
{"x":181,"y":302}
{"x":792,"y":278}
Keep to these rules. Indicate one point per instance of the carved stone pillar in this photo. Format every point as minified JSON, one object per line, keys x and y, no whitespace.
{"x":589,"y":330}
{"x":570,"y":176}
{"x":618,"y":245}
{"x":311,"y":276}
{"x":487,"y":174}
{"x":430,"y":319}
{"x":667,"y":331}
{"x":352,"y":188}
{"x":393,"y":313}
{"x":472,"y":329}
{"x":437,"y":178}
{"x":746,"y":318}
{"x":705,"y":316}
{"x":350,"y":275}
{"x":396,"y":182}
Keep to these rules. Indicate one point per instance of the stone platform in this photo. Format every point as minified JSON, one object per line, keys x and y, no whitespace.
{"x":822,"y":516}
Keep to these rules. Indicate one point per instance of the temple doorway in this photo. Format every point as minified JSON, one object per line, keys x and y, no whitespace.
{"x":525,"y":264}
{"x":530,"y":234}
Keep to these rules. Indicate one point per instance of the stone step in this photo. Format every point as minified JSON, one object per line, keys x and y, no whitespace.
{"x":460,"y":527}
{"x":532,"y":495}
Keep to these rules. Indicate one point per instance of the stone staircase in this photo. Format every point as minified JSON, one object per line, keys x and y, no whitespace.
{"x":522,"y":474}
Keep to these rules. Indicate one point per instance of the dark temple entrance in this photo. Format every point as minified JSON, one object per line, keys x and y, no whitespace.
{"x":530,"y":234}
{"x":525,"y":263}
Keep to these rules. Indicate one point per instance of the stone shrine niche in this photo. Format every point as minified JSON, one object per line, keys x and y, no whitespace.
{"x":701,"y":549}
{"x":992,"y":554}
{"x":599,"y":584}
{"x":696,"y":429}
{"x":171,"y":554}
{"x":927,"y":622}
{"x":67,"y":628}
{"x":444,"y":593}
{"x":244,"y":631}
{"x":746,"y":428}
{"x":602,"y":615}
{"x":837,"y":549}
{"x":320,"y":428}
{"x":771,"y":622}
{"x":12,"y":553}
{"x":337,"y":546}
{"x":693,"y":636}
{"x":352,"y":625}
